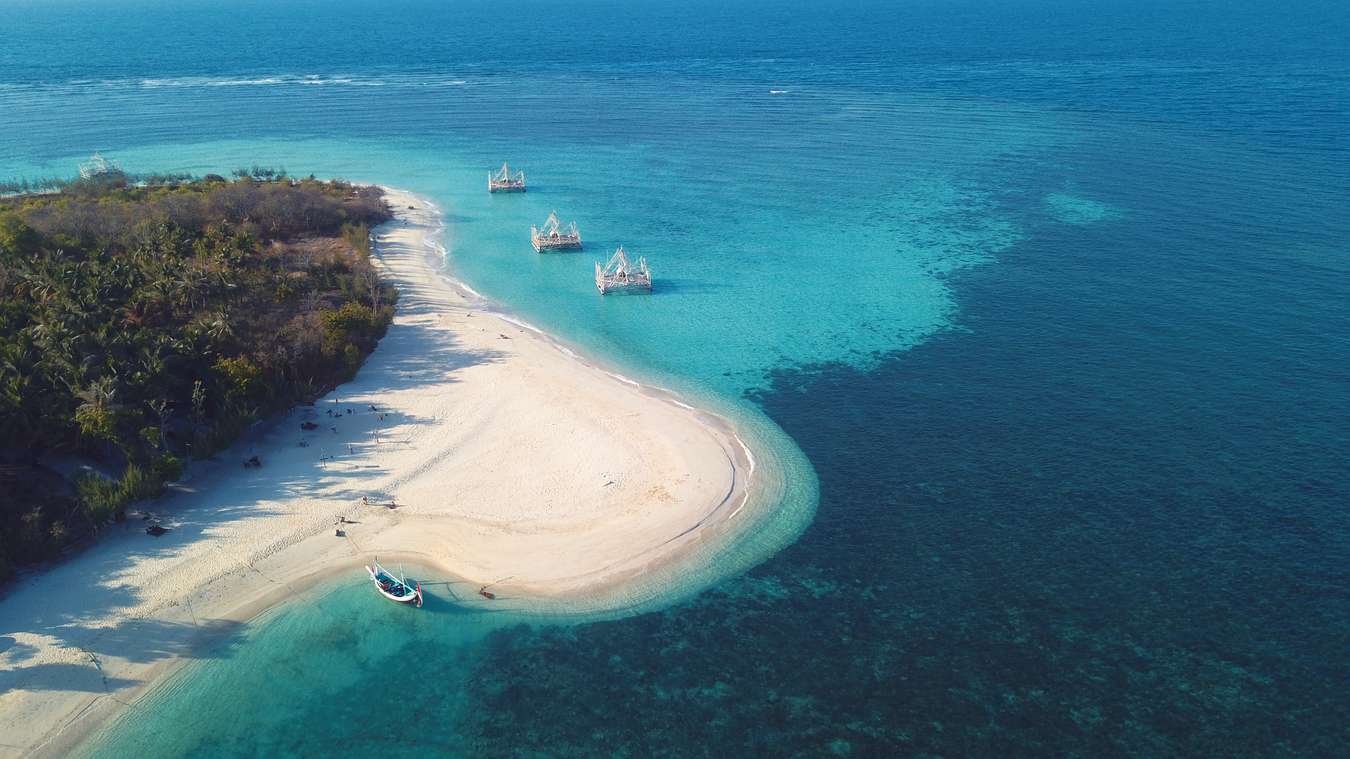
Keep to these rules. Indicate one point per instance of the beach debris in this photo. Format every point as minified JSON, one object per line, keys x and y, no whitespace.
{"x":502,"y":336}
{"x":622,"y":275}
{"x":554,"y":236}
{"x":503,"y":180}
{"x":155,"y":530}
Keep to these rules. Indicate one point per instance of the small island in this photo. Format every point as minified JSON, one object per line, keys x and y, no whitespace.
{"x":144,"y":323}
{"x":221,"y":302}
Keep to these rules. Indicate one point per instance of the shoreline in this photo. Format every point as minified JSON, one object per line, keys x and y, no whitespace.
{"x":245,"y":542}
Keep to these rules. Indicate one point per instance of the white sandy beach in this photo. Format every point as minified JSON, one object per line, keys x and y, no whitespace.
{"x":506,"y":456}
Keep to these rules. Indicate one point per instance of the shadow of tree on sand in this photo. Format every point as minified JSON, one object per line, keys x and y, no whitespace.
{"x":78,"y":650}
{"x":137,"y":641}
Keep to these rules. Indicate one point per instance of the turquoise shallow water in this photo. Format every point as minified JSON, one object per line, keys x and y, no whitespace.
{"x":274,"y":696}
{"x":1051,"y":297}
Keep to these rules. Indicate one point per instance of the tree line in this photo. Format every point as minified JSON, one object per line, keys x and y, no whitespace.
{"x":145,"y":323}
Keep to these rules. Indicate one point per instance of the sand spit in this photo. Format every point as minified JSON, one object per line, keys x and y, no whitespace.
{"x":509,"y":459}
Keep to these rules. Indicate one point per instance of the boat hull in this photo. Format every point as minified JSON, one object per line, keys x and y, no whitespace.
{"x":546,"y":246}
{"x":411,"y":597}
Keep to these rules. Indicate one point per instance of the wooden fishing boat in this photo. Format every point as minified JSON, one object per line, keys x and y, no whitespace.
{"x":623,"y":275}
{"x":393,"y":587}
{"x":503,"y":180}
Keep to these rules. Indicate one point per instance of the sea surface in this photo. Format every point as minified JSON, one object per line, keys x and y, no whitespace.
{"x":1050,"y":298}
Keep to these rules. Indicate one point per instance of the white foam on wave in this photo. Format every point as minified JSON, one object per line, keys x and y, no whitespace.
{"x":245,"y":82}
{"x":269,"y":80}
{"x":519,"y":323}
{"x":275,"y":80}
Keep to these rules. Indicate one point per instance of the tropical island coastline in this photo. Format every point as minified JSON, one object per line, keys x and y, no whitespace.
{"x":148,"y":323}
{"x":469,"y":443}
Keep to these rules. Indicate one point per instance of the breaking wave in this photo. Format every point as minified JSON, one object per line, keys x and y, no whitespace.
{"x":272,"y":80}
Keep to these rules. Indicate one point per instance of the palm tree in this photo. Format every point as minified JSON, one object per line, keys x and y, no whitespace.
{"x":95,"y":414}
{"x":218,"y":327}
{"x":40,"y":285}
{"x":161,"y":408}
{"x":192,"y":285}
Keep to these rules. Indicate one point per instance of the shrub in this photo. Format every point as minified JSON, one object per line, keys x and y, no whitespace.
{"x":96,"y":422}
{"x":103,"y":498}
{"x":16,"y":236}
{"x":241,"y":377}
{"x":352,"y":356}
{"x":100,"y":497}
{"x":352,"y":323}
{"x":167,"y":468}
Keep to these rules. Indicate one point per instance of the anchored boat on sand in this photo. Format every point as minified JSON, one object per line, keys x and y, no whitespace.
{"x":394,"y":588}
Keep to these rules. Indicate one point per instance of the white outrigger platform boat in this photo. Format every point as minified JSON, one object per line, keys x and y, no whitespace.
{"x":503,"y":180}
{"x":623,"y":275}
{"x":394,"y":588}
{"x":554,"y":236}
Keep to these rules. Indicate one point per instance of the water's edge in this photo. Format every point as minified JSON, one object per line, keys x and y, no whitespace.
{"x":779,"y":502}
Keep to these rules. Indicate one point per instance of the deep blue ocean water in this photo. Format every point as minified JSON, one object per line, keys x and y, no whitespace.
{"x":1054,"y":298}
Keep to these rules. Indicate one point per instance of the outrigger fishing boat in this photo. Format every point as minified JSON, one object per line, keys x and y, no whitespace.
{"x":623,"y":275}
{"x":554,"y":236}
{"x":503,"y":180}
{"x":394,"y":588}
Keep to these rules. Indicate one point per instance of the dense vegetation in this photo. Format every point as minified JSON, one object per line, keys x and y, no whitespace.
{"x":141,"y":324}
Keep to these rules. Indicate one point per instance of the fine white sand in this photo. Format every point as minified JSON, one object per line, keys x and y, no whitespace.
{"x":507,"y":456}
